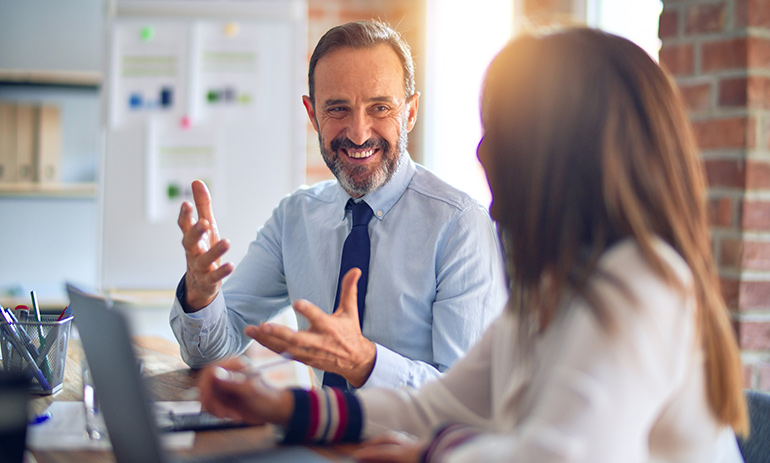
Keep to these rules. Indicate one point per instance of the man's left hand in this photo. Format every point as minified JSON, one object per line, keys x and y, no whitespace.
{"x":333,"y":343}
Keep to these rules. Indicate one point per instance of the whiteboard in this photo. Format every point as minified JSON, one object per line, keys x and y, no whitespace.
{"x":205,"y":89}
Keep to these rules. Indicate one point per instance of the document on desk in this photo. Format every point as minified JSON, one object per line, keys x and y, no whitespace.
{"x":66,"y":430}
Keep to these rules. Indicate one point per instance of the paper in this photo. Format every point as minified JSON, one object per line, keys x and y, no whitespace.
{"x":66,"y":430}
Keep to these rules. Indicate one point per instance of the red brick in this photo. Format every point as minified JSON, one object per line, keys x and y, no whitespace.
{"x":697,"y":97}
{"x":754,"y":13}
{"x":730,"y":288}
{"x":763,"y":376}
{"x":757,"y":175}
{"x":754,"y":336}
{"x":720,"y":212}
{"x":756,"y":256}
{"x":724,"y":54}
{"x":755,"y":215}
{"x":767,"y":133}
{"x":733,"y":92}
{"x":747,"y":374}
{"x":735,"y":132}
{"x":669,"y":23}
{"x":730,"y":254}
{"x":679,"y":60}
{"x":754,"y":295}
{"x":705,"y":18}
{"x":725,"y":173}
{"x":758,"y":92}
{"x":758,"y":53}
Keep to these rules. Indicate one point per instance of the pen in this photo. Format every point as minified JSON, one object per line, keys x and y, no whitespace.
{"x":64,"y":314}
{"x":251,"y":370}
{"x":39,"y":319}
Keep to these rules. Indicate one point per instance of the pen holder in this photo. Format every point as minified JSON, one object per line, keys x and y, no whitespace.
{"x":38,"y":349}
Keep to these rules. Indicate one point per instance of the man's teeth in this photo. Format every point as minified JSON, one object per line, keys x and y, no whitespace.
{"x":360,"y":154}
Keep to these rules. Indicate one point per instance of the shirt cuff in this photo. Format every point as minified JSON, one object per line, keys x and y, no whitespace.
{"x":390,"y":370}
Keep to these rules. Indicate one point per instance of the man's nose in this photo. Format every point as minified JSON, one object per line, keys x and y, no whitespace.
{"x":360,"y":129}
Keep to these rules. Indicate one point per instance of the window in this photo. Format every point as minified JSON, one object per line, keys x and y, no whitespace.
{"x":461,"y":41}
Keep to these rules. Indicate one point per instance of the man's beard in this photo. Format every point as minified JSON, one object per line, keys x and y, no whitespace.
{"x":360,"y":180}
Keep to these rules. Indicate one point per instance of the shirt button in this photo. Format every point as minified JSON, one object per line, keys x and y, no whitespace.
{"x":379,"y":213}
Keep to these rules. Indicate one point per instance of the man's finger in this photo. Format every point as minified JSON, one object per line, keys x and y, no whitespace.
{"x":316,"y":317}
{"x":202,"y":199}
{"x":349,"y":293}
{"x":193,"y":238}
{"x":185,"y":220}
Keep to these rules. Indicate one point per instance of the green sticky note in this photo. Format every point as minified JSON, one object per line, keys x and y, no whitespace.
{"x":147,"y":33}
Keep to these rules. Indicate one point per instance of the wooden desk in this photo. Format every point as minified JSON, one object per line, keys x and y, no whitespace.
{"x":168,"y":379}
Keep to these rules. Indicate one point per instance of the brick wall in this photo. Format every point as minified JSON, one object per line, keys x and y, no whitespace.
{"x":719,"y":53}
{"x":406,"y":16}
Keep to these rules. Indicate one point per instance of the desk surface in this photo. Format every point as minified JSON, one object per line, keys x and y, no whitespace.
{"x":168,"y":379}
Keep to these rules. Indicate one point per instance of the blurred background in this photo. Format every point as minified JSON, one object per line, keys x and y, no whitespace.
{"x":116,"y":104}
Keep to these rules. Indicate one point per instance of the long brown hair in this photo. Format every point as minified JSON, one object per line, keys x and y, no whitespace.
{"x":590,"y":144}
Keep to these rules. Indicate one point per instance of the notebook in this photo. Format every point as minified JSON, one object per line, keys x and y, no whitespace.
{"x":123,"y":398}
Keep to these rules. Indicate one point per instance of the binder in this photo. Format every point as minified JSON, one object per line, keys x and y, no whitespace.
{"x":7,"y":142}
{"x":25,"y":142}
{"x":48,"y":144}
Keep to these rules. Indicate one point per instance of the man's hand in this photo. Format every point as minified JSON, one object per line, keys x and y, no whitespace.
{"x":333,"y":343}
{"x":203,"y":249}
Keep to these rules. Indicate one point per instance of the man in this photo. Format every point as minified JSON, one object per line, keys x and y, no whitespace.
{"x":435,"y":274}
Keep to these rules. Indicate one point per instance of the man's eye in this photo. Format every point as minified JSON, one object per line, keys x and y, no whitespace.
{"x":380,"y":110}
{"x":336,"y":112}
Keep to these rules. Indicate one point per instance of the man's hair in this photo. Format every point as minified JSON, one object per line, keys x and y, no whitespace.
{"x":363,"y":34}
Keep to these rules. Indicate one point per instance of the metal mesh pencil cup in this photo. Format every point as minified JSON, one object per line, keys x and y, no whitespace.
{"x":38,"y":349}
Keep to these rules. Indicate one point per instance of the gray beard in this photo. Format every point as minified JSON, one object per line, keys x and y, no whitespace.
{"x":381,"y":174}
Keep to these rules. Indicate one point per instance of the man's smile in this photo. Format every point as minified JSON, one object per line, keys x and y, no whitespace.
{"x":359,"y":153}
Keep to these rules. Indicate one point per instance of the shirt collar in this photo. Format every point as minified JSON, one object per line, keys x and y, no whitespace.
{"x":382,"y":199}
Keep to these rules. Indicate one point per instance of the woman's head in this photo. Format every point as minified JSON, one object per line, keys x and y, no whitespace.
{"x":586,"y":142}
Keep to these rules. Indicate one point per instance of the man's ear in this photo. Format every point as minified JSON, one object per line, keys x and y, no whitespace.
{"x":310,"y":111}
{"x":411,"y":113}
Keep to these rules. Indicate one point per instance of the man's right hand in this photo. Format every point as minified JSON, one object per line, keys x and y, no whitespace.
{"x":203,"y":249}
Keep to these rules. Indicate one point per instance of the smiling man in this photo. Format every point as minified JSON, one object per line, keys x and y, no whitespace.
{"x":430,"y":275}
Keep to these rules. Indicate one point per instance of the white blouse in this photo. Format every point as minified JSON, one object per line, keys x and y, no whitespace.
{"x":588,"y":395}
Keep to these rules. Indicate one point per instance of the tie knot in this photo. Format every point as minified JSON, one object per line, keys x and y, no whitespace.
{"x":362,"y":213}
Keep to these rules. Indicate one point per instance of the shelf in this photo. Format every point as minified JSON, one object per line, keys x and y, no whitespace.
{"x":55,"y":190}
{"x":37,"y":77}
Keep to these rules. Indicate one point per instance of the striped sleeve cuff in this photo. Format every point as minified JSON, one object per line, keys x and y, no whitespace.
{"x":324,"y":416}
{"x":448,"y":438}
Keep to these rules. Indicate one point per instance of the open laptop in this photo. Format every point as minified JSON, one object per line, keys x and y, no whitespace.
{"x":123,"y":398}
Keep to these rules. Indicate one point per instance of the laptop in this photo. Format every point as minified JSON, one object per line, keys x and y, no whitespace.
{"x":123,"y":398}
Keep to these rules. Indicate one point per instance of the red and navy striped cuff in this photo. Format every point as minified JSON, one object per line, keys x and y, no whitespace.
{"x":324,"y":416}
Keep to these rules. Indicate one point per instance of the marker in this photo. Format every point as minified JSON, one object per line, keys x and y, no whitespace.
{"x":22,"y":313}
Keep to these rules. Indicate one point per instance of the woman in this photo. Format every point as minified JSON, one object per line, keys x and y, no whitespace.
{"x":616,"y":345}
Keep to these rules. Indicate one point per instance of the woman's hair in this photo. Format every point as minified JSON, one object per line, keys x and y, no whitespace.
{"x":590,"y":144}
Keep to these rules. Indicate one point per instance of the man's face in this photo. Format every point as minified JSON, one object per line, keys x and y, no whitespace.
{"x":361,"y":115}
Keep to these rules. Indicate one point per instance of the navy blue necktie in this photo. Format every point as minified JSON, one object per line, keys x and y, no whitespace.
{"x":355,"y":254}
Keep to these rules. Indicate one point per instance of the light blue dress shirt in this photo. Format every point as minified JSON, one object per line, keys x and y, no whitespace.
{"x":436,"y":277}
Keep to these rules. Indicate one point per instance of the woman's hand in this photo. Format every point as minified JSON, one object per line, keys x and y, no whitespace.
{"x":226,"y":390}
{"x":390,"y":448}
